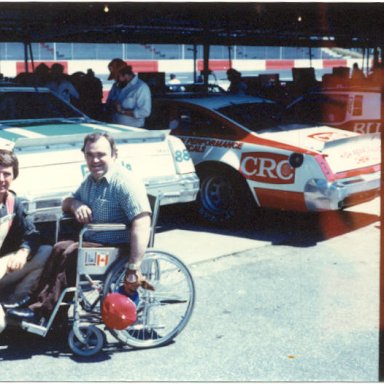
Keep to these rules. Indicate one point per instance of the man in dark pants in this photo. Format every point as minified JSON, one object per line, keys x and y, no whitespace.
{"x":22,"y":257}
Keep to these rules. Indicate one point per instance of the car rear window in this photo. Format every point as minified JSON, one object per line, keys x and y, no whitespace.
{"x":317,"y":109}
{"x":254,"y":116}
{"x":34,"y":105}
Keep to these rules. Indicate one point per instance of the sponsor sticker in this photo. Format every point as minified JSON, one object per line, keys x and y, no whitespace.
{"x":90,"y":258}
{"x":367,"y":127}
{"x":96,"y":258}
{"x":102,"y":259}
{"x":197,"y":144}
{"x":267,"y":168}
{"x":329,"y":136}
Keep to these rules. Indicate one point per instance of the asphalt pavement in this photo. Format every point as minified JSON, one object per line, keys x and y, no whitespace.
{"x":292,"y":298}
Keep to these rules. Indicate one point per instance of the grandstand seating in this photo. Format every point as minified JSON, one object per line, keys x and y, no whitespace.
{"x":82,"y":51}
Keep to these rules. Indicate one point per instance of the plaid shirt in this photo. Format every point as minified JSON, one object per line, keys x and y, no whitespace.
{"x":118,"y":197}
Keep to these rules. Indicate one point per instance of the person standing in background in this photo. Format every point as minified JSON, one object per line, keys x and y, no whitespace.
{"x":114,"y":66}
{"x":134,"y":102}
{"x":60,"y":84}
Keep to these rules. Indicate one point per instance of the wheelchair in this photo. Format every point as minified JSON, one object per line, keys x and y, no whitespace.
{"x":161,"y":314}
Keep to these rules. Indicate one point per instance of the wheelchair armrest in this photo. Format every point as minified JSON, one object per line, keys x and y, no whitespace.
{"x":66,"y":216}
{"x":105,"y":227}
{"x":100,"y":227}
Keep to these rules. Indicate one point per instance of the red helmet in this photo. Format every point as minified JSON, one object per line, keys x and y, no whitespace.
{"x":118,"y":311}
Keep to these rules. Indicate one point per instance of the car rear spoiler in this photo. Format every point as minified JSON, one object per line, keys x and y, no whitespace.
{"x":78,"y":139}
{"x":352,"y":139}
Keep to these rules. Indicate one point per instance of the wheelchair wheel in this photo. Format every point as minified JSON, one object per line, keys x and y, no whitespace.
{"x":161,"y":314}
{"x":94,"y":341}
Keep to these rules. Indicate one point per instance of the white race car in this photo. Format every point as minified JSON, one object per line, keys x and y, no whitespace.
{"x":47,"y":133}
{"x":244,"y":155}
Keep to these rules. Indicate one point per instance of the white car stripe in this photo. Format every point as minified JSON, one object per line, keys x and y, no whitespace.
{"x":24,"y":132}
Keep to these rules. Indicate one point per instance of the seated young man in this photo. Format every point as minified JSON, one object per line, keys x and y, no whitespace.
{"x":22,"y":257}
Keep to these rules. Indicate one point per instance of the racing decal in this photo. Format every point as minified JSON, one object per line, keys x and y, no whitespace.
{"x":267,"y":168}
{"x":367,"y":127}
{"x":182,"y":155}
{"x":329,"y":136}
{"x":196,"y":144}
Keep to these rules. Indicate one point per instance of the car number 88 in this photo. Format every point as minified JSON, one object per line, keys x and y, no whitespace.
{"x":182,"y":156}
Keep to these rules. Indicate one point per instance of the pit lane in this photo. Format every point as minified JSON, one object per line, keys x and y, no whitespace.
{"x":291,"y":297}
{"x":181,"y":234}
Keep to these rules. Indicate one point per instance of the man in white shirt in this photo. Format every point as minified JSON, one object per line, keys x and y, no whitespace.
{"x":174,"y":83}
{"x":134,"y":102}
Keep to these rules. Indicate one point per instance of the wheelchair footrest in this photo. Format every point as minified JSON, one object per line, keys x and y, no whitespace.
{"x":37,"y":329}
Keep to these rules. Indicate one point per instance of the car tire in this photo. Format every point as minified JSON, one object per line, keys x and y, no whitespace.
{"x":224,"y":198}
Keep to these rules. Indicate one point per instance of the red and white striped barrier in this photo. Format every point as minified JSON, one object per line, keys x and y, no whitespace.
{"x":10,"y":68}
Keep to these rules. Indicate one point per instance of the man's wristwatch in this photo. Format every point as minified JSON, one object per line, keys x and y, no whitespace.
{"x":132,"y":267}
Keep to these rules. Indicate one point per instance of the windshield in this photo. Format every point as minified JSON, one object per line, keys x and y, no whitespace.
{"x":254,"y":116}
{"x":34,"y":105}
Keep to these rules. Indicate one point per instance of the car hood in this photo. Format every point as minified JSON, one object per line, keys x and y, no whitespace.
{"x":39,"y":130}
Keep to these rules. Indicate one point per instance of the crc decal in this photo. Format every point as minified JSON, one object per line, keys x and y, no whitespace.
{"x":328,"y":136}
{"x":196,"y":144}
{"x":267,"y":168}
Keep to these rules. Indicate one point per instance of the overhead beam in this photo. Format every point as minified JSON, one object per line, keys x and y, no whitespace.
{"x":237,"y":23}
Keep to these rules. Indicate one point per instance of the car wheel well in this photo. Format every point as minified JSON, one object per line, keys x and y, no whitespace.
{"x":218,"y":167}
{"x":222,"y":169}
{"x":212,"y":202}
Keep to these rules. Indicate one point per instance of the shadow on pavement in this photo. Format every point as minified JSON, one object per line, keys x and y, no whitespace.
{"x":278,"y":227}
{"x":16,"y":344}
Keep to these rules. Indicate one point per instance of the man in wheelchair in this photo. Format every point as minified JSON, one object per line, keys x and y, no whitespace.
{"x":109,"y":194}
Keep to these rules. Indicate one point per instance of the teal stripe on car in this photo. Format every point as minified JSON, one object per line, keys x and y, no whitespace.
{"x":60,"y":129}
{"x":12,"y":133}
{"x":9,"y":135}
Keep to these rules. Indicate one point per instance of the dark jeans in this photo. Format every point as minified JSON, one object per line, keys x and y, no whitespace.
{"x":58,"y":274}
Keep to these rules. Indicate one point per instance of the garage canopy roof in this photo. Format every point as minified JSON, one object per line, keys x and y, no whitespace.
{"x":220,"y":23}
